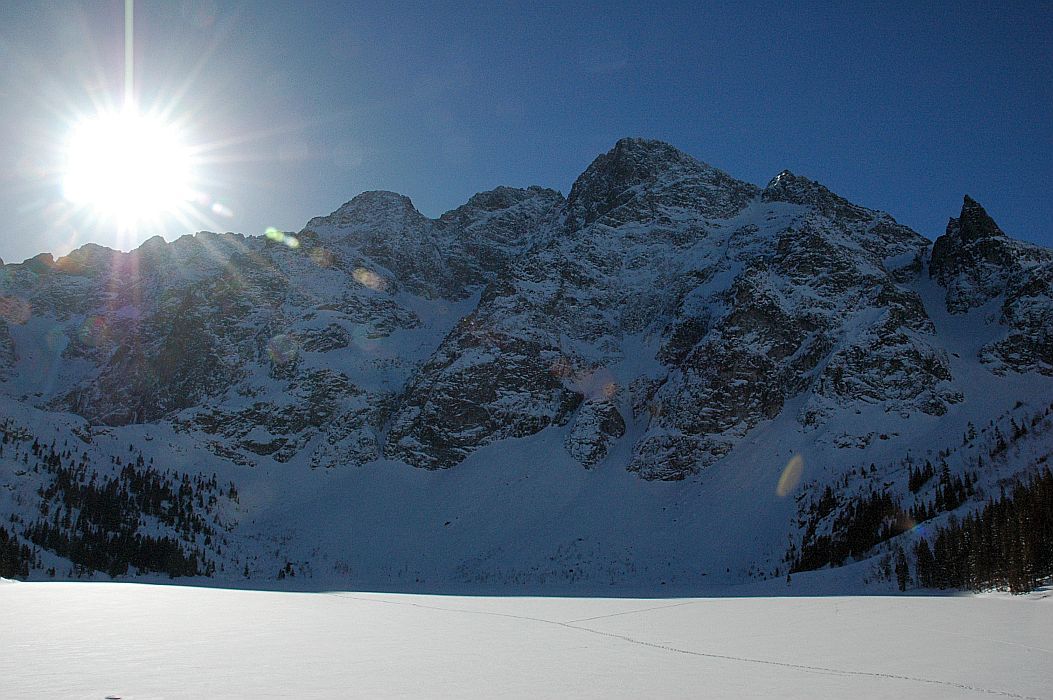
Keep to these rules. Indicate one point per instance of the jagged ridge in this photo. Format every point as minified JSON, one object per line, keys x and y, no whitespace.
{"x":662,"y":295}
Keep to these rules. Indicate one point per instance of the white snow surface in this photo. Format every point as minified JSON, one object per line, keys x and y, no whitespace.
{"x":136,"y":641}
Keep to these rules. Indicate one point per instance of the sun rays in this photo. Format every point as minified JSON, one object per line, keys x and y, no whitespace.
{"x":122,"y":166}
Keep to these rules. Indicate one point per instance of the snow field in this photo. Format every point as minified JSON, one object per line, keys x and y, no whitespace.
{"x":91,"y":640}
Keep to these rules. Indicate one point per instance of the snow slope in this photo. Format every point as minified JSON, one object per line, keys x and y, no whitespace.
{"x":88,"y":640}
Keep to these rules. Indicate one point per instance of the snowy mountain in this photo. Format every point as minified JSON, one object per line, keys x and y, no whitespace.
{"x":651,"y":381}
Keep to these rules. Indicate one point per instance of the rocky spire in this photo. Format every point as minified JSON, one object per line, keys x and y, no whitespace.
{"x":971,"y":240}
{"x":974,"y":223}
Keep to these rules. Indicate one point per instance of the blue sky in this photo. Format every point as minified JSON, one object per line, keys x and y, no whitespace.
{"x":903,"y":107}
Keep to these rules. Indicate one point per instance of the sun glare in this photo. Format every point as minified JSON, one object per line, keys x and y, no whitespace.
{"x":127,"y":167}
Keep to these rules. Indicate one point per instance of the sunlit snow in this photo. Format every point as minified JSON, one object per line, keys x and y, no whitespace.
{"x":93,"y":640}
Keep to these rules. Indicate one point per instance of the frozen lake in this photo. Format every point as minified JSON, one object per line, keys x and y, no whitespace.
{"x":93,"y":640}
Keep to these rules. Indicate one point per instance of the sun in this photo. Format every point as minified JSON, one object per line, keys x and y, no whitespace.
{"x":127,"y":167}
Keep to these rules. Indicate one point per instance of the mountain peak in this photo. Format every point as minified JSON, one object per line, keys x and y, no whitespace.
{"x":89,"y":256}
{"x":502,"y":197}
{"x":976,"y":261}
{"x":788,"y":187}
{"x":371,"y":209}
{"x":798,"y":189}
{"x":638,"y":166}
{"x":151,"y":244}
{"x":974,"y":222}
{"x":652,"y":147}
{"x":41,"y":262}
{"x":785,"y":178}
{"x":379,"y":200}
{"x":638,"y":160}
{"x":959,"y":248}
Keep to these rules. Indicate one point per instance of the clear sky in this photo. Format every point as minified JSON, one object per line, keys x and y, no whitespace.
{"x":299,"y":106}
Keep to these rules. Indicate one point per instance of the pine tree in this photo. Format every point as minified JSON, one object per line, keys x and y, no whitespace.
{"x":902,"y":569}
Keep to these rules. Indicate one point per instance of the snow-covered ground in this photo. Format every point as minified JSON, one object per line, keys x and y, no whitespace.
{"x":93,"y":640}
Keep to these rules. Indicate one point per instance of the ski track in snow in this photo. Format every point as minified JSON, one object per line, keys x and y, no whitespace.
{"x":803,"y":667}
{"x":709,"y":655}
{"x":631,"y":612}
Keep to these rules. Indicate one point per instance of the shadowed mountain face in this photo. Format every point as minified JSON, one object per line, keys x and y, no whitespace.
{"x":660,"y":313}
{"x":978,"y":264}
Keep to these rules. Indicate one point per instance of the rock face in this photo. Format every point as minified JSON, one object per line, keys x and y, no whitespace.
{"x":597,"y":424}
{"x":978,"y":263}
{"x":8,"y":357}
{"x":972,"y":259}
{"x":656,"y":316}
{"x":804,"y":299}
{"x":638,"y":176}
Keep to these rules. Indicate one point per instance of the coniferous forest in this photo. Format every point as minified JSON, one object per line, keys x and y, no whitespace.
{"x":865,"y":521}
{"x":1005,"y":542}
{"x":134,"y":516}
{"x":15,"y":558}
{"x":1008,"y":544}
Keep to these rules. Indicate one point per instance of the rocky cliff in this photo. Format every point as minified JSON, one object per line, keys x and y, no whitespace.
{"x":662,"y":318}
{"x":663,"y":302}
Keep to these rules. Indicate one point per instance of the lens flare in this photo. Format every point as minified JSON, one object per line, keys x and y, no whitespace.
{"x":597,"y":385}
{"x":277,"y":236}
{"x":322,"y":257}
{"x":282,"y":349}
{"x":220,"y":209}
{"x":791,"y":476}
{"x":368,"y":278}
{"x":93,"y":331}
{"x":904,"y":523}
{"x":560,"y":367}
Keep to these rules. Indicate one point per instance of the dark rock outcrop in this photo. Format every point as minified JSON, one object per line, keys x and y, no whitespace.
{"x":977,"y":263}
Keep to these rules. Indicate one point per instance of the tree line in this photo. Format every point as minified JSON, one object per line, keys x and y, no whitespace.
{"x":1008,"y":543}
{"x":15,"y":557}
{"x":139,"y":516}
